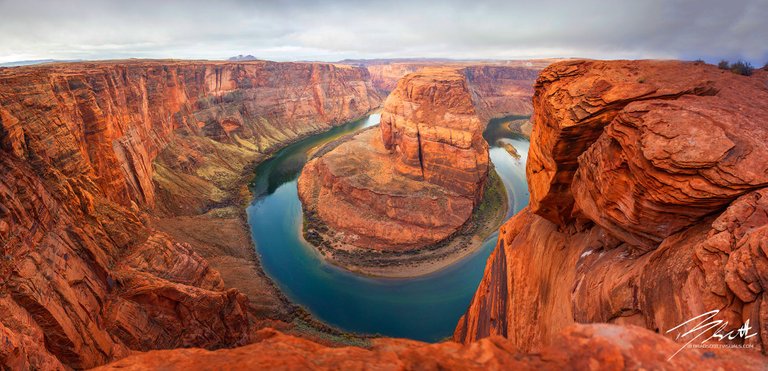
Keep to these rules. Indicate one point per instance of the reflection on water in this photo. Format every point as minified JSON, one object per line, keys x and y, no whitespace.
{"x":286,"y":164}
{"x":511,"y":169}
{"x":424,"y":308}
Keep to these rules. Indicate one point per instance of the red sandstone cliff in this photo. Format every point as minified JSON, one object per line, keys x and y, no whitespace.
{"x":384,"y":76}
{"x":419,"y":173}
{"x":91,"y":154}
{"x":119,"y":116}
{"x":423,"y":172}
{"x":647,"y":207}
{"x":430,"y":125}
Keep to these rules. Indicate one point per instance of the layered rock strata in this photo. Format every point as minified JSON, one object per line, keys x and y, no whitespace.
{"x":100,"y":160}
{"x":647,"y":207}
{"x":579,"y":347}
{"x":501,"y":91}
{"x":423,"y":172}
{"x":385,"y":73}
{"x":434,"y":133}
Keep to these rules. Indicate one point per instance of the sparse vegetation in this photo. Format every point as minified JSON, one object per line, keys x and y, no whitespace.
{"x":740,"y":67}
{"x":486,"y":218}
{"x":307,"y":326}
{"x":494,"y":197}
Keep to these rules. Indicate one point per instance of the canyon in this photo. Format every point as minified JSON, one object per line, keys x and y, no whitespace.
{"x":121,"y":194}
{"x":422,"y":173}
{"x":123,"y":189}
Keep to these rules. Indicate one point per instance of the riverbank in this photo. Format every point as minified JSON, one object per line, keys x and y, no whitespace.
{"x":485,"y":220}
{"x":221,"y":235}
{"x":402,"y":307}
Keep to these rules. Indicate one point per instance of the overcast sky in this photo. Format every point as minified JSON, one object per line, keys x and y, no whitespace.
{"x":334,"y":30}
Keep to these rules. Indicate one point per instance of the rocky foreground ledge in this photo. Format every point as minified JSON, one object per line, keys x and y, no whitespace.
{"x":648,"y":207}
{"x":579,"y":347}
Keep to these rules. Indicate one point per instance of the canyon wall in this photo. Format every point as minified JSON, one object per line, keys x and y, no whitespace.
{"x":385,"y":73}
{"x":423,"y":171}
{"x":647,"y":206}
{"x":119,"y":116}
{"x":500,"y":91}
{"x":384,"y":76}
{"x":98,"y":158}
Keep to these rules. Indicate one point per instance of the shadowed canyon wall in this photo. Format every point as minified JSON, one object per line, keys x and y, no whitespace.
{"x":647,"y":206}
{"x":96,"y":157}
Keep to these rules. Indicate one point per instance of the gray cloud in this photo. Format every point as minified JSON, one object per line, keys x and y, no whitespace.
{"x":332,"y":30}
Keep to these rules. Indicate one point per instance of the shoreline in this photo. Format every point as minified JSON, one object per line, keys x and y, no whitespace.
{"x":425,"y":261}
{"x":225,"y":242}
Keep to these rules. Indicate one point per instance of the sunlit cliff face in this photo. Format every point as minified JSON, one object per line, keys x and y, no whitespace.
{"x":647,"y":185}
{"x":423,"y":172}
{"x":102,"y":158}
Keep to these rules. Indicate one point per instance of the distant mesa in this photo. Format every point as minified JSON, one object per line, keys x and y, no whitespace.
{"x":242,"y":58}
{"x":31,"y":62}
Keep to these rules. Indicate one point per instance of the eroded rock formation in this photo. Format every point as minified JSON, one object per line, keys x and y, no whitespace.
{"x":423,"y":171}
{"x":431,"y":127}
{"x":96,"y":158}
{"x":580,"y":347}
{"x":648,"y":206}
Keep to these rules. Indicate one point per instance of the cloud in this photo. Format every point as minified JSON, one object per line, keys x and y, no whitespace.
{"x":332,"y":30}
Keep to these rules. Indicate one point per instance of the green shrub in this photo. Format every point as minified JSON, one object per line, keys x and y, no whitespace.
{"x":742,"y":68}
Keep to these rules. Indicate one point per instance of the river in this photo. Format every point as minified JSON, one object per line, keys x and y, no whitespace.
{"x":425,"y":308}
